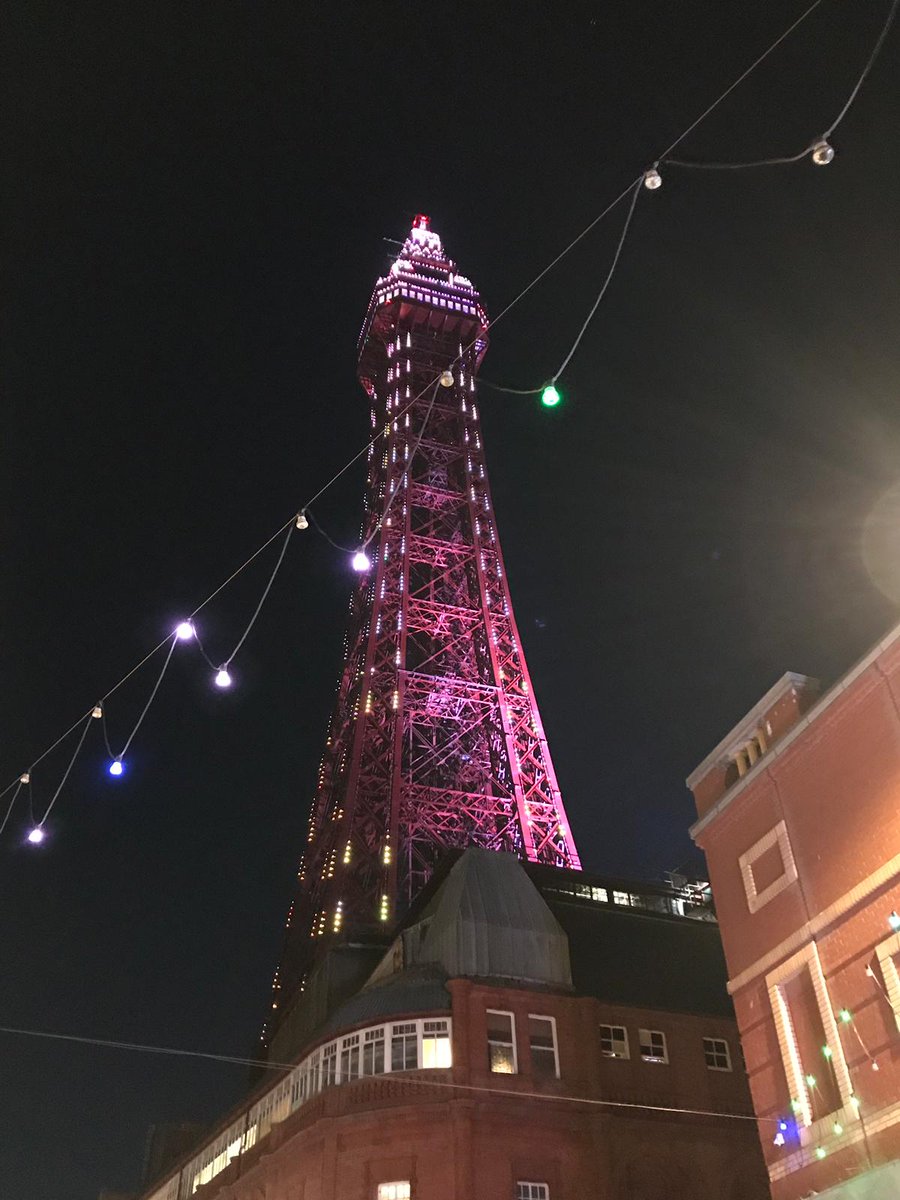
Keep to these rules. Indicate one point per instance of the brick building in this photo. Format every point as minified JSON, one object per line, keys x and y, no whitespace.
{"x":799,"y":816}
{"x":529,"y":1034}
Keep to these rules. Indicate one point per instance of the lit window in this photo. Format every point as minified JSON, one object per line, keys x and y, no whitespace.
{"x":717,"y":1054}
{"x":394,"y":1191}
{"x":532,"y":1191}
{"x":622,"y":898}
{"x":404,"y":1047}
{"x":614,"y":1041}
{"x":436,"y":1045}
{"x":544,"y":1056}
{"x":350,"y":1057}
{"x":501,"y":1032}
{"x":653,"y":1046}
{"x":373,"y":1052}
{"x":329,"y":1064}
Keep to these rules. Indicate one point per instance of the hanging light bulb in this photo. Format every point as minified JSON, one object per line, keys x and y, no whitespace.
{"x":25,"y":777}
{"x":97,"y":711}
{"x":550,"y":396}
{"x":778,"y":1139}
{"x":116,"y":767}
{"x":361,"y":561}
{"x":822,"y":153}
{"x":894,"y":922}
{"x":302,"y":522}
{"x":652,"y":179}
{"x":36,"y":836}
{"x":446,"y":379}
{"x":184,"y":631}
{"x":223,"y":679}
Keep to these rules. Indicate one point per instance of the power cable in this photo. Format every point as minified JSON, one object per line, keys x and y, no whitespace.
{"x":405,"y":1079}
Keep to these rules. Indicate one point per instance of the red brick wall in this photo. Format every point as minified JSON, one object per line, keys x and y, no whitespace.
{"x":837,"y":788}
{"x":475,"y":1141}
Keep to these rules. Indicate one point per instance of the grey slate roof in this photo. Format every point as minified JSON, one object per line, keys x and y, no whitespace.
{"x":415,"y":990}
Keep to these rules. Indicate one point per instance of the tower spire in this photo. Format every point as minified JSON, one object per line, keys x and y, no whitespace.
{"x":435,"y":740}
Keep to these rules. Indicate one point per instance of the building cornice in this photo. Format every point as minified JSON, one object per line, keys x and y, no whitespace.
{"x":789,"y":738}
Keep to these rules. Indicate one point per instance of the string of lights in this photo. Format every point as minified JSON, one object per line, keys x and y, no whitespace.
{"x":405,"y":1079}
{"x":650,"y":179}
{"x":819,"y":150}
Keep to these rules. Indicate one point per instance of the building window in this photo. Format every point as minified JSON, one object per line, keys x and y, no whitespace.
{"x":404,"y":1047}
{"x":653,"y":1046}
{"x":501,"y":1032}
{"x":350,"y":1058}
{"x":614,"y":1041}
{"x":804,"y":1023}
{"x":436,"y":1044}
{"x":717,"y":1054}
{"x":373,"y":1052}
{"x":525,"y":1190}
{"x":622,"y":898}
{"x":399,"y":1190}
{"x":544,"y":1054}
{"x":329,"y":1064}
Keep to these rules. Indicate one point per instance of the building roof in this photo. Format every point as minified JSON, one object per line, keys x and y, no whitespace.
{"x":644,"y":959}
{"x":415,"y":990}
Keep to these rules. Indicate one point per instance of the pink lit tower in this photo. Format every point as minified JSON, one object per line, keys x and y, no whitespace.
{"x":436,"y":740}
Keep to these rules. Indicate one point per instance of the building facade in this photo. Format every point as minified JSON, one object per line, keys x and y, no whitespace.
{"x":799,"y":816}
{"x":528,"y":1035}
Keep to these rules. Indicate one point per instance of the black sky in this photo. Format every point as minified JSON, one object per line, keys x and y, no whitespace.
{"x":194,"y":205}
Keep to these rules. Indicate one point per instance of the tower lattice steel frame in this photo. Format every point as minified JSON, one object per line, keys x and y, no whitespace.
{"x":436,"y":740}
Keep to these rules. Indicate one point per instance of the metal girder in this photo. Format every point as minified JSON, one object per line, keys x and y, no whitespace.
{"x":435,"y":740}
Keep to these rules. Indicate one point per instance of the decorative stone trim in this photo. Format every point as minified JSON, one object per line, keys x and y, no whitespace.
{"x":775,"y":837}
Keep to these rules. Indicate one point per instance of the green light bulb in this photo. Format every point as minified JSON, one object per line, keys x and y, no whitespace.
{"x":550,"y":396}
{"x":838,"y":1128}
{"x":811,"y":1081}
{"x":845,"y":1016}
{"x":826,"y":1050}
{"x":820,"y":1152}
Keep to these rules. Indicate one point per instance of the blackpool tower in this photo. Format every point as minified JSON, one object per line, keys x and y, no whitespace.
{"x":435,"y":740}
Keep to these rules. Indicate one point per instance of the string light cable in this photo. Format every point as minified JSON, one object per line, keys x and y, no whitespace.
{"x":405,"y":1080}
{"x":300,"y":519}
{"x":223,"y":669}
{"x":819,"y":149}
{"x":635,"y":188}
{"x":651,"y":179}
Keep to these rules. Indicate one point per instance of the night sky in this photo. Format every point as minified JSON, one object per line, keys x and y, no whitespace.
{"x":195,"y":205}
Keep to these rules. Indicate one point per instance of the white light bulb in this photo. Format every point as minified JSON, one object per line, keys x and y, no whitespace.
{"x":36,"y":836}
{"x":652,"y":179}
{"x":116,"y":767}
{"x":361,"y":561}
{"x":25,"y":777}
{"x":97,"y":712}
{"x":822,"y":153}
{"x":302,"y":522}
{"x":446,"y":379}
{"x":223,"y":679}
{"x":184,"y":631}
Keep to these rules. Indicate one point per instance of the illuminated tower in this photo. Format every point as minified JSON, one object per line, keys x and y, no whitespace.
{"x":436,"y":740}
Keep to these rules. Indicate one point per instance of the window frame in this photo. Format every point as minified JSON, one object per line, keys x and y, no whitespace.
{"x":382,"y":1194}
{"x":543,"y":1049}
{"x":710,"y":1050}
{"x":502,"y":1012}
{"x":660,"y":1060}
{"x":624,"y":1040}
{"x":532,"y":1193}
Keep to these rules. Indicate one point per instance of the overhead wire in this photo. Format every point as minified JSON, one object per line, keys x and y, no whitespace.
{"x":405,"y":1079}
{"x":823,"y":137}
{"x":493,"y":324}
